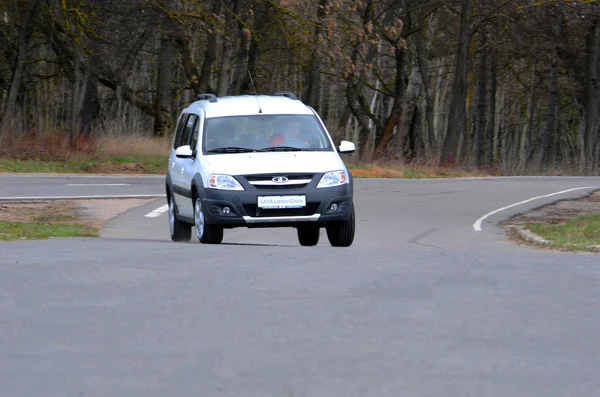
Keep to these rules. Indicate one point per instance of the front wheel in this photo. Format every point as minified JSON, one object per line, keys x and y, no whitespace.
{"x":180,"y":231}
{"x":308,"y":235}
{"x":341,"y":233}
{"x":207,"y":234}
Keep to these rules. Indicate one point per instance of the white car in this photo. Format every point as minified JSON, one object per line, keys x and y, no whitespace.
{"x":257,"y":161}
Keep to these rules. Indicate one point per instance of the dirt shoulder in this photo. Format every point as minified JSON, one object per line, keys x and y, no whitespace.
{"x":557,"y":213}
{"x":90,"y":213}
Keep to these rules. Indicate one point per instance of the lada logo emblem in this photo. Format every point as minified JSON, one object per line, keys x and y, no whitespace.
{"x":280,"y":179}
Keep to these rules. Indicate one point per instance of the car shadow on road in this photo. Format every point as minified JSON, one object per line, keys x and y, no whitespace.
{"x":168,"y":241}
{"x":253,"y":244}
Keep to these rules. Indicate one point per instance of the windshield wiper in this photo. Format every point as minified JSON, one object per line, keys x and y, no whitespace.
{"x":231,"y":149}
{"x":283,"y":149}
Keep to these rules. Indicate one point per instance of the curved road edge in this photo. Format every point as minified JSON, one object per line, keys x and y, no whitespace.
{"x":477,"y":225}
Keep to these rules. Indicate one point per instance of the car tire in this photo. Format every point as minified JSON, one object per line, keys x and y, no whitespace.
{"x":180,"y":231}
{"x":207,"y":234}
{"x":308,"y":235}
{"x":341,"y":233}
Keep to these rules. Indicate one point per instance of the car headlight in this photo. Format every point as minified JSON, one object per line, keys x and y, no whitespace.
{"x":226,"y":182}
{"x":333,"y":178}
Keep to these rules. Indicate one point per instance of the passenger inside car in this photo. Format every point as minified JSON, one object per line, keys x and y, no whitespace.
{"x":288,"y":130}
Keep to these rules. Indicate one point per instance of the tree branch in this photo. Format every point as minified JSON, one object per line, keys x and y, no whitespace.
{"x":189,"y":66}
{"x":128,"y":94}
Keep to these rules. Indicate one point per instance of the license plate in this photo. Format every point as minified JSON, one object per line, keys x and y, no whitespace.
{"x":273,"y":202}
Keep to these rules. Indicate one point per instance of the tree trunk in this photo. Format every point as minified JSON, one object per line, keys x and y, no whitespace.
{"x":314,"y":74}
{"x":595,"y":164}
{"x":528,"y":135}
{"x":422,"y":59}
{"x":457,"y":117}
{"x":210,"y":55}
{"x":405,"y":137}
{"x":481,"y":107}
{"x":89,"y":109}
{"x":73,"y":102}
{"x":381,"y":144}
{"x":246,"y":77}
{"x":353,"y":90}
{"x":225,"y":68}
{"x":592,"y":95}
{"x":227,"y":52}
{"x":492,"y":109}
{"x":189,"y":67}
{"x":551,"y":115}
{"x":162,"y":120}
{"x":25,"y":33}
{"x":556,"y":149}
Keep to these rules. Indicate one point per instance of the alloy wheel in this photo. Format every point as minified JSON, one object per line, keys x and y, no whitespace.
{"x":171,"y":217}
{"x":199,"y":219}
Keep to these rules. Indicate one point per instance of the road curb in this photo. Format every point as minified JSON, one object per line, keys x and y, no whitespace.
{"x":534,"y":238}
{"x":530,"y":236}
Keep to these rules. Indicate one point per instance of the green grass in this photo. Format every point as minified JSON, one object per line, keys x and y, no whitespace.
{"x":10,"y":231}
{"x":576,"y":233}
{"x":150,"y":164}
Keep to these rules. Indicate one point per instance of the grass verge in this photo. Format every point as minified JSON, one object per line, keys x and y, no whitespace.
{"x":82,"y":165}
{"x":11,"y":231}
{"x":576,"y":234}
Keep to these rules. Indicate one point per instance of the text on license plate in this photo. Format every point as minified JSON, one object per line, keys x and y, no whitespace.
{"x":281,"y":201}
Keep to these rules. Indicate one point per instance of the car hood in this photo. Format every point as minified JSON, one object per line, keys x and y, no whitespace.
{"x":270,"y":162}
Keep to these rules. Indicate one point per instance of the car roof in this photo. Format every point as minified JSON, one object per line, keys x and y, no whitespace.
{"x":241,"y":105}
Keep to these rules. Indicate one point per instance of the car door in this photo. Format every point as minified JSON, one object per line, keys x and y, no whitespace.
{"x":181,"y":185}
{"x":192,"y":165}
{"x":175,"y":170}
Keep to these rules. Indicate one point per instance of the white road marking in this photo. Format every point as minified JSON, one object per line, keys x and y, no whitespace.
{"x":80,"y":176}
{"x":116,"y":196}
{"x":97,"y":184}
{"x":157,"y":212}
{"x":477,"y":224}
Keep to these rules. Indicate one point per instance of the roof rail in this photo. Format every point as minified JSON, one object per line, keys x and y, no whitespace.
{"x":204,"y":96}
{"x":286,"y":94}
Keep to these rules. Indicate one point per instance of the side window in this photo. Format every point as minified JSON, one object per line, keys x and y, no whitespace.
{"x":187,"y":132}
{"x":195,"y":134}
{"x":179,"y":130}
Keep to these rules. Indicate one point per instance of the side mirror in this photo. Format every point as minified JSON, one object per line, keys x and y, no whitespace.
{"x":346,"y":147}
{"x":184,"y":152}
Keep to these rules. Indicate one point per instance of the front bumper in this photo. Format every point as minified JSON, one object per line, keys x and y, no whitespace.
{"x":239,"y":208}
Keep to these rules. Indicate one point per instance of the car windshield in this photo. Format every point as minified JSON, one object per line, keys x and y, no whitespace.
{"x":264,"y":133}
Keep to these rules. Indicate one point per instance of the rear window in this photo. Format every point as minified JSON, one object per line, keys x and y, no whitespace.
{"x":265,"y":131}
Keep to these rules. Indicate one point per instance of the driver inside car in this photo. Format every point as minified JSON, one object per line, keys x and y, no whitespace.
{"x":288,"y":132}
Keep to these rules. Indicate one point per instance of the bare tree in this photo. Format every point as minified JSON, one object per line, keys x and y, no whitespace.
{"x":25,"y":32}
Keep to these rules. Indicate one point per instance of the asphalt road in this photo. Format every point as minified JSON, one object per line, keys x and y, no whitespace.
{"x":16,"y":186}
{"x":420,"y":305}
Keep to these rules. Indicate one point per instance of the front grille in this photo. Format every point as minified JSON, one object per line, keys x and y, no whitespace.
{"x":269,"y":177}
{"x":280,"y":187}
{"x":265,"y":181}
{"x":253,"y":210}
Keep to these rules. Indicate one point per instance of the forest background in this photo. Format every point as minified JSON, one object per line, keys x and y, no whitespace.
{"x":508,"y":86}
